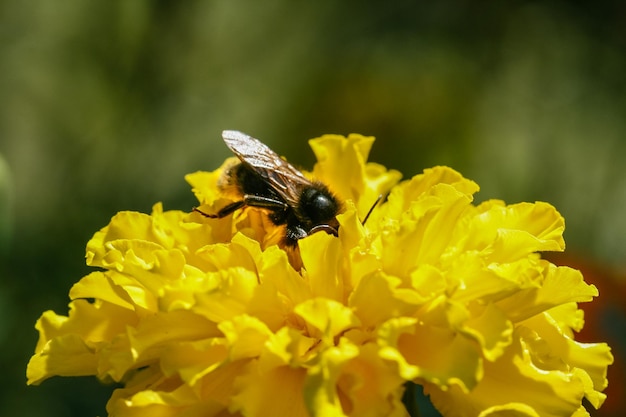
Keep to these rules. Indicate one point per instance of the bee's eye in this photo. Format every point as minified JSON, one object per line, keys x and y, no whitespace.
{"x":317,"y":205}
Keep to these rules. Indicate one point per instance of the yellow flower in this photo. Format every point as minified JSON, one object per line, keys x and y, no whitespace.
{"x":208,"y":317}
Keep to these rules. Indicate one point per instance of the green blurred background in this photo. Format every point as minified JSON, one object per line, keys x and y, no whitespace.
{"x":106,"y":105}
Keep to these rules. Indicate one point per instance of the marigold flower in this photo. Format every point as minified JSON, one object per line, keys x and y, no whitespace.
{"x":208,"y":317}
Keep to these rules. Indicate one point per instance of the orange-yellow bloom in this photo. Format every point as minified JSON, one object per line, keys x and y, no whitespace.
{"x":209,"y":317}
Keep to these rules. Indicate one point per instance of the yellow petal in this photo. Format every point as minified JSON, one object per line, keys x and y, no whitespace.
{"x":204,"y":184}
{"x":241,"y":251}
{"x":277,"y":392}
{"x":246,"y":336}
{"x":513,"y":379}
{"x":369,"y":387}
{"x":288,"y":346}
{"x":511,"y":232}
{"x":281,"y":288}
{"x":321,"y":255}
{"x":177,"y":402}
{"x":554,"y":349}
{"x":378,"y":182}
{"x":341,"y":162}
{"x":226,"y":293}
{"x":560,"y":285}
{"x":66,"y":355}
{"x":403,"y":196}
{"x":326,"y":318}
{"x":93,"y":322}
{"x":509,"y":410}
{"x":491,"y":328}
{"x":192,"y":360}
{"x":438,"y":355}
{"x":144,"y":343}
{"x":391,"y":301}
{"x":116,"y":289}
{"x":320,"y":390}
{"x":423,"y":233}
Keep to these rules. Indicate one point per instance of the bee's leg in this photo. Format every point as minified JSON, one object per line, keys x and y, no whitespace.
{"x":262,"y":202}
{"x":248,"y":200}
{"x":331,"y":230}
{"x":225,"y":211}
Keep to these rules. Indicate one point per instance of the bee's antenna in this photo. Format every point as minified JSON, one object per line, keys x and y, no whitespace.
{"x":380,"y":197}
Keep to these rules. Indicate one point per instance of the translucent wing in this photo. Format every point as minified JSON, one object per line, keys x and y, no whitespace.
{"x":279,"y":174}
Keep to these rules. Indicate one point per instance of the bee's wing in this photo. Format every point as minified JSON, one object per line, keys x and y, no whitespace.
{"x":279,"y":174}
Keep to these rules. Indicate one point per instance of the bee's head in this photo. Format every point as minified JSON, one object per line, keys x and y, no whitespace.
{"x":318,"y":204}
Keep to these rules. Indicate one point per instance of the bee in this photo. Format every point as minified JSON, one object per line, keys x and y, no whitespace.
{"x":264,"y":180}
